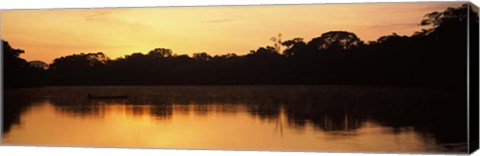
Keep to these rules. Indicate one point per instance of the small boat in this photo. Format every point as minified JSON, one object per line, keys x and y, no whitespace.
{"x":89,"y":96}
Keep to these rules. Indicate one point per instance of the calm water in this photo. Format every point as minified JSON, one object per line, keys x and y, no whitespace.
{"x":285,"y":118}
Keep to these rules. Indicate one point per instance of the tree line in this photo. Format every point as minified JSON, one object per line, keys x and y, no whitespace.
{"x":435,"y":56}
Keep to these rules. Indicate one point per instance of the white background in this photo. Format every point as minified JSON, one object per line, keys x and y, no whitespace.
{"x":77,"y":151}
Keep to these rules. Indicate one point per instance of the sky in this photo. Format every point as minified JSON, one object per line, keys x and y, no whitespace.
{"x":49,"y":34}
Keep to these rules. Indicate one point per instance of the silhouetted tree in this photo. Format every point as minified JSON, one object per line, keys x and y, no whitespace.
{"x":78,"y":69}
{"x":295,"y":47}
{"x":434,"y":57}
{"x":38,"y":64}
{"x":201,"y":56}
{"x":277,"y":42}
{"x":160,"y":53}
{"x":444,"y":58}
{"x":17,"y":71}
{"x":335,"y":40}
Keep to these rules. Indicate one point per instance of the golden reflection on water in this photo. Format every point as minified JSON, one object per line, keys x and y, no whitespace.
{"x":192,"y":126}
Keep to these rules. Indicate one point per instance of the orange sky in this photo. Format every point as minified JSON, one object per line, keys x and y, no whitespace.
{"x":49,"y":34}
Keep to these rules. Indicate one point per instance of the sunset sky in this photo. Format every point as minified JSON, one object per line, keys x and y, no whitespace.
{"x":49,"y":34}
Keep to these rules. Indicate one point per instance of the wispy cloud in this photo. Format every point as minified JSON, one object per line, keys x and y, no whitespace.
{"x":97,"y":15}
{"x":395,"y":26}
{"x":219,"y":21}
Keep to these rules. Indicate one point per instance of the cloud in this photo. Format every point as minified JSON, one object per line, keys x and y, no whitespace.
{"x":97,"y":14}
{"x":219,"y":21}
{"x":396,"y":26}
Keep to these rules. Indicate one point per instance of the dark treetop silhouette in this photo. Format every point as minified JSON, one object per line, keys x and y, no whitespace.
{"x":431,"y":57}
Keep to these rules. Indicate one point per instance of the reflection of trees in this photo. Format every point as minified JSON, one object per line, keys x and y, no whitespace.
{"x":136,"y":110}
{"x":327,"y":108}
{"x":161,"y":111}
{"x":78,"y":106}
{"x":265,"y":111}
{"x":12,"y":109}
{"x":325,"y":119}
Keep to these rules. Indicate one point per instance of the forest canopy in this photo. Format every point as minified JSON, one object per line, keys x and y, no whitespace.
{"x":431,"y":57}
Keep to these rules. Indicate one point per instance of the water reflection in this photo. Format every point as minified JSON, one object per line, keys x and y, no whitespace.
{"x":433,"y":116}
